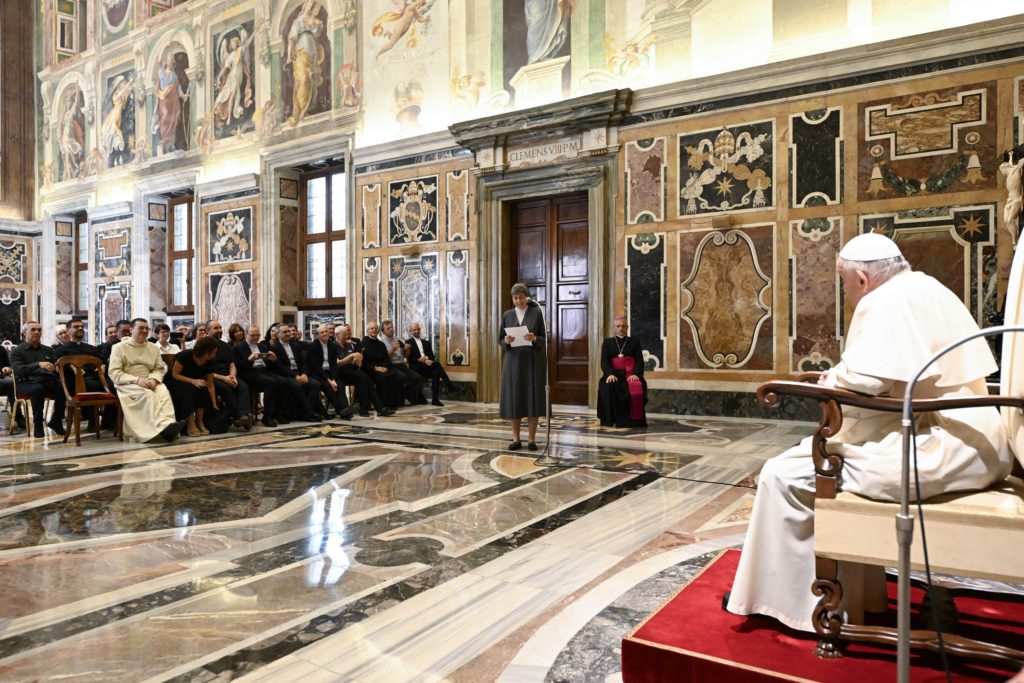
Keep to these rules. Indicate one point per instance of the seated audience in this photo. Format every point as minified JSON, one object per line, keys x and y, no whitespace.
{"x":122,"y":330}
{"x":305,"y":403}
{"x":197,"y":332}
{"x":349,"y":365}
{"x":138,"y":371}
{"x":377,"y":365}
{"x":193,"y":396}
{"x":322,"y":363}
{"x":622,"y":392}
{"x":236,"y":334}
{"x":231,"y":391}
{"x":163,"y":339}
{"x":400,"y":363}
{"x":77,"y":347}
{"x":254,"y":361}
{"x":60,"y":337}
{"x":421,"y":359}
{"x":7,"y":385}
{"x":110,"y":334}
{"x":35,"y":370}
{"x":271,"y":336}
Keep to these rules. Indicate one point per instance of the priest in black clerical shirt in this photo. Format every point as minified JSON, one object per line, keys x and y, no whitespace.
{"x":622,"y":392}
{"x":377,"y":365}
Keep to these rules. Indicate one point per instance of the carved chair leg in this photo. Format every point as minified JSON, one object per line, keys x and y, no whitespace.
{"x":827,"y":617}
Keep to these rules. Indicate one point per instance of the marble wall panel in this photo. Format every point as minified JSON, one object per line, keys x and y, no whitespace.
{"x":729,"y":168}
{"x":371,"y":289}
{"x":229,"y":235}
{"x":413,"y":294}
{"x":13,"y":310}
{"x":64,"y":229}
{"x":412,"y":211}
{"x":113,"y":249}
{"x":456,"y":218}
{"x":816,"y":157}
{"x":815,"y":315}
{"x":934,"y":141}
{"x":371,"y":204}
{"x":955,"y":245}
{"x":13,"y":261}
{"x":64,"y":305}
{"x":230,"y":294}
{"x":725,"y":298}
{"x":1018,"y":111}
{"x":646,"y":273}
{"x":646,"y":179}
{"x":457,"y":308}
{"x":158,"y":265}
{"x":113,"y":303}
{"x":289,"y":261}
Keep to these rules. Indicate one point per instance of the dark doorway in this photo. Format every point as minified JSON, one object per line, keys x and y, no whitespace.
{"x":550,"y":239}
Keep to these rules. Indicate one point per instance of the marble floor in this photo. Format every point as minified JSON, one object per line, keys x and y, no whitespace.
{"x":409,"y":548}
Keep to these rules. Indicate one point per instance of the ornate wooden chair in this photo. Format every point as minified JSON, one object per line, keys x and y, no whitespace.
{"x":24,"y":402}
{"x":86,"y":399}
{"x":973,"y":534}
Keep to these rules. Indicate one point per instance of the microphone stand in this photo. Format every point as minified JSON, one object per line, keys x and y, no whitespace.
{"x":546,"y":459}
{"x":904,"y":520}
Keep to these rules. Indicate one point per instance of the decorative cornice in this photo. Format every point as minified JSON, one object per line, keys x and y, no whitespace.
{"x":559,"y":119}
{"x":110,"y":212}
{"x":216,"y":188}
{"x":401,"y":149}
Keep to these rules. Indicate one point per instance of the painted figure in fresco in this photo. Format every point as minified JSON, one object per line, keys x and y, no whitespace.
{"x":231,"y":300}
{"x":350,"y":86}
{"x":306,"y":58}
{"x":118,"y":125}
{"x":234,"y":80}
{"x":402,"y":22}
{"x":71,"y":135}
{"x":547,"y":27}
{"x":1011,"y":210}
{"x":465,"y":89}
{"x":170,"y":116}
{"x":633,"y":60}
{"x":408,"y":105}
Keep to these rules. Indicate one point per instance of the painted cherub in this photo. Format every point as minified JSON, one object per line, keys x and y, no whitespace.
{"x":409,"y":11}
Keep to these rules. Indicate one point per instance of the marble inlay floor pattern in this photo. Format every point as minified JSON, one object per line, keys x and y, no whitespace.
{"x":409,"y":548}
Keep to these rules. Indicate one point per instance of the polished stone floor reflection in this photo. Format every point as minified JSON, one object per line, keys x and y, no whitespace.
{"x":408,"y":548}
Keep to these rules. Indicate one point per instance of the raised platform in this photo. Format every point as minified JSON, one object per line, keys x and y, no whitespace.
{"x":691,"y":638}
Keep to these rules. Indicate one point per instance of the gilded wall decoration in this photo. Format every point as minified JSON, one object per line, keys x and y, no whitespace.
{"x":230,"y":235}
{"x":113,"y":303}
{"x":928,"y":143}
{"x":234,"y":78}
{"x":413,"y":295}
{"x":456,"y":215}
{"x":371,"y":289}
{"x":306,"y":63}
{"x":13,"y":311}
{"x":646,"y":292}
{"x":64,"y":268}
{"x":457,"y":307}
{"x":646,"y":180}
{"x":814,"y":311}
{"x":157,"y":266}
{"x":371,"y":202}
{"x":230,"y":299}
{"x":727,"y":169}
{"x":955,"y":245}
{"x":816,"y":157}
{"x":725,"y":298}
{"x":289,"y":283}
{"x":172,"y":102}
{"x":12,"y":262}
{"x":117,"y":129}
{"x":412,"y":211}
{"x":113,"y":254}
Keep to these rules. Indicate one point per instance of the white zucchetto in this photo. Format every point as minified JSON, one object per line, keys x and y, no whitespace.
{"x":870,"y":246}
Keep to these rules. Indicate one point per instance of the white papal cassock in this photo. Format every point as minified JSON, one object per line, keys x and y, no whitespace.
{"x":895,"y":329}
{"x":146,"y":412}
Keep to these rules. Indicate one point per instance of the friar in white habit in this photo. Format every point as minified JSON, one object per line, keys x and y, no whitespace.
{"x":901,"y":318}
{"x":138,"y":373}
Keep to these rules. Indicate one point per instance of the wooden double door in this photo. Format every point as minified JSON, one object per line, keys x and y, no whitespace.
{"x":550,"y":239}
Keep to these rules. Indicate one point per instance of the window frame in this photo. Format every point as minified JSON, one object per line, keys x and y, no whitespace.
{"x":188,"y":255}
{"x":79,"y":266}
{"x":327,"y":237}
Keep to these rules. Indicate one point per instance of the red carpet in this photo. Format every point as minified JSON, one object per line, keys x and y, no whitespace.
{"x":691,"y":638}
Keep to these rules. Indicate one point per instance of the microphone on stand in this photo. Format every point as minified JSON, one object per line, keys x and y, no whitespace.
{"x":546,"y":458}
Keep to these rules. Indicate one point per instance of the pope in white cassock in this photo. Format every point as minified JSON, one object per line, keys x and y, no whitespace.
{"x":138,"y":373}
{"x":901,"y":318}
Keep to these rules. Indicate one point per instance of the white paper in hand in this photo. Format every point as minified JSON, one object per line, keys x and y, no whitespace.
{"x":518,"y":335}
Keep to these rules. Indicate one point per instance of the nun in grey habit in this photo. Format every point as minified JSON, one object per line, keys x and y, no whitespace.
{"x":524,"y":368}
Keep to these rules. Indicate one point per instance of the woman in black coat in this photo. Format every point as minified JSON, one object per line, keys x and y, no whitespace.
{"x":524,"y":368}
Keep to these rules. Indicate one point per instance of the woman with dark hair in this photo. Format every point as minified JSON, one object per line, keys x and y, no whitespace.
{"x":524,"y":367}
{"x":271,"y":336}
{"x":236,"y":334}
{"x":195,"y":333}
{"x":191,"y":393}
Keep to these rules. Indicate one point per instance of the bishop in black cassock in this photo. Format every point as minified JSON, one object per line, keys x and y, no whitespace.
{"x":622,"y":393}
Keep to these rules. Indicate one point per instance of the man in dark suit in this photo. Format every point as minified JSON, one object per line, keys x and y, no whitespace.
{"x":289,"y":365}
{"x":322,"y":363}
{"x":377,"y":366}
{"x":421,"y":359}
{"x":231,"y":390}
{"x":35,"y":369}
{"x":349,"y":366}
{"x":7,"y":384}
{"x":78,"y":347}
{"x":122,"y":329}
{"x":254,"y":361}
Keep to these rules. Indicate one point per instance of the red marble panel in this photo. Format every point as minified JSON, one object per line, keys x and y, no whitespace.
{"x":814,"y":314}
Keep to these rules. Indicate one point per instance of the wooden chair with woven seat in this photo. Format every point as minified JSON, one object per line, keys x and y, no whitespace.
{"x":82,"y":398}
{"x":976,"y":534}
